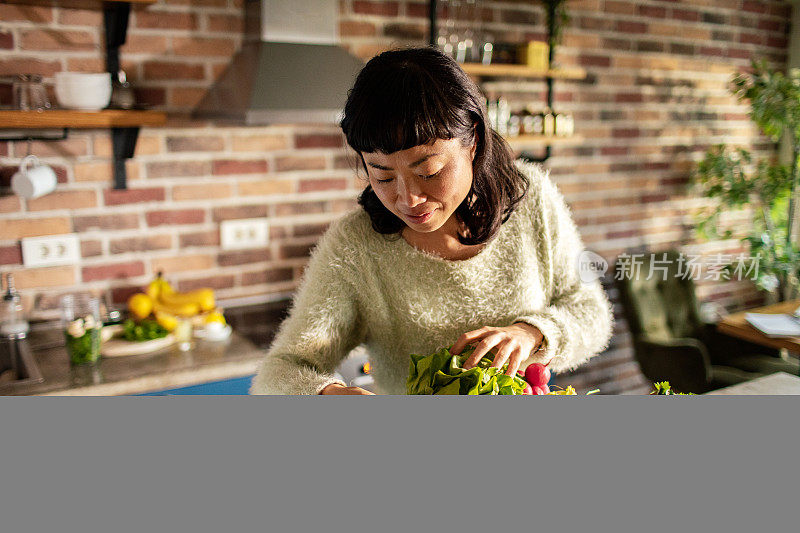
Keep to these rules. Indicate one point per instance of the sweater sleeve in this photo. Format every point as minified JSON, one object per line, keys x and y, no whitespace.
{"x":323,"y":326}
{"x":577,"y":323}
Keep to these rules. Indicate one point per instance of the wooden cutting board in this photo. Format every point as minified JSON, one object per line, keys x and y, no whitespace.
{"x":113,"y":346}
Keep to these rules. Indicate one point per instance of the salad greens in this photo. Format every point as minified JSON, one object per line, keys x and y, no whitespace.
{"x":443,"y":373}
{"x":143,"y":330}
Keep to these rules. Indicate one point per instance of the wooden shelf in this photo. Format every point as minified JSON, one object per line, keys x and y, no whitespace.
{"x":524,"y":141}
{"x":522,"y":71}
{"x":57,"y":118}
{"x":80,"y":4}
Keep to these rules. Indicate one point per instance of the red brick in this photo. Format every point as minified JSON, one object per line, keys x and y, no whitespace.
{"x":625,"y":132}
{"x":770,"y":25}
{"x":754,"y":7}
{"x":310,"y":229}
{"x":133,"y":196}
{"x":164,"y":20}
{"x":91,"y":248}
{"x":594,"y":61}
{"x":64,"y":200}
{"x":239,"y":211}
{"x":202,"y":191}
{"x":243,"y":257}
{"x":299,"y":208}
{"x":161,"y":70}
{"x":113,"y":271}
{"x":178,"y":169}
{"x":652,"y":11}
{"x":389,"y":9}
{"x":203,"y":47}
{"x":237,"y":166}
{"x":10,"y":204}
{"x":199,"y":238}
{"x":181,"y":216}
{"x":319,"y":141}
{"x":355,"y":28}
{"x":329,"y":184}
{"x":626,"y":26}
{"x":23,"y":13}
{"x":14,"y":65}
{"x":629,"y":97}
{"x":195,"y":144}
{"x":226,"y":23}
{"x":288,"y":251}
{"x":751,"y":38}
{"x":214,"y":282}
{"x":417,"y":10}
{"x":289,"y":163}
{"x":152,"y":96}
{"x":66,"y":41}
{"x":121,"y":295}
{"x":81,"y":17}
{"x":140,"y":244}
{"x":11,"y":255}
{"x":685,"y":14}
{"x":105,"y":222}
{"x":6,"y":40}
{"x":271,"y":275}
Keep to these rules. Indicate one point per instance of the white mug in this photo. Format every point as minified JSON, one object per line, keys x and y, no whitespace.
{"x":35,"y":181}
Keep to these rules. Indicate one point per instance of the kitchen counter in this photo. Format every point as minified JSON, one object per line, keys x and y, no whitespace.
{"x":235,"y":357}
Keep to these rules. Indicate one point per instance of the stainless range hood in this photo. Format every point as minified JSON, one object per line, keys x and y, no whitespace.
{"x":289,"y":70}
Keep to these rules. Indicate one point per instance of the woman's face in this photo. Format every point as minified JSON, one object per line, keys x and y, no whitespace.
{"x":429,"y":180}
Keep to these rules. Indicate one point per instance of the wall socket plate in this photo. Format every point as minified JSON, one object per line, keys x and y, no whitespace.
{"x":244,"y":233}
{"x":51,"y":250}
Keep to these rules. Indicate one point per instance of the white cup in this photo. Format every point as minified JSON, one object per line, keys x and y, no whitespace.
{"x":33,"y":182}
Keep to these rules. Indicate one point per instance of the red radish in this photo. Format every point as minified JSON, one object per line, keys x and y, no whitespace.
{"x":528,"y":390}
{"x":546,"y":389}
{"x":537,"y":374}
{"x":538,"y":391}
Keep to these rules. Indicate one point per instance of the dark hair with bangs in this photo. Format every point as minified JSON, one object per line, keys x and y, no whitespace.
{"x":410,"y":97}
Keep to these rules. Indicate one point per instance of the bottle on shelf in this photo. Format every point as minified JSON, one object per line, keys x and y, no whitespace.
{"x":12,"y":322}
{"x":548,"y":122}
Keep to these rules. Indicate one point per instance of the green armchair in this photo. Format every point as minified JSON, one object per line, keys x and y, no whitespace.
{"x":670,"y":340}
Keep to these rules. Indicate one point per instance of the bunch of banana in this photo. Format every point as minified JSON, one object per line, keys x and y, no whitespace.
{"x":166,"y":304}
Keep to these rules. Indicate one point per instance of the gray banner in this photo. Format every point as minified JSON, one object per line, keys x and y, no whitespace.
{"x":399,"y":464}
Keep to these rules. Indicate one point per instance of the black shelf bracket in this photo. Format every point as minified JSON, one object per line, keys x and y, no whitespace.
{"x":115,"y":19}
{"x":124,"y":144}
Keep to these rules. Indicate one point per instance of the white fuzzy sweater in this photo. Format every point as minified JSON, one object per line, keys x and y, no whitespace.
{"x":360,"y":287}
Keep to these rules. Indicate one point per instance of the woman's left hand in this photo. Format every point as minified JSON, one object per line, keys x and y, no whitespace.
{"x":514,"y":344}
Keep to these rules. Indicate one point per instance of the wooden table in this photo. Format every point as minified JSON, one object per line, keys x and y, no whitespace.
{"x":736,"y":326}
{"x":779,"y":383}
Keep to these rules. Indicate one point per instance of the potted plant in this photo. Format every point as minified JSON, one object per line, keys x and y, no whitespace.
{"x":770,"y":189}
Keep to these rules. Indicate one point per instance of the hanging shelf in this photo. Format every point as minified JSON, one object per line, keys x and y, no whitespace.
{"x":502,"y":70}
{"x":124,"y":123}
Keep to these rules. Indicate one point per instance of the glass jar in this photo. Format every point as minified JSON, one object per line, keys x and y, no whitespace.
{"x":80,"y":315}
{"x":29,"y":93}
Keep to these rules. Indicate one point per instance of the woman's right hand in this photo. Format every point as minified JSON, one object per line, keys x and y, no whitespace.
{"x":338,"y":388}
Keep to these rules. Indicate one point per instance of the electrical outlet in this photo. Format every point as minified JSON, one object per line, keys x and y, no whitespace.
{"x":244,"y":233}
{"x":51,"y":250}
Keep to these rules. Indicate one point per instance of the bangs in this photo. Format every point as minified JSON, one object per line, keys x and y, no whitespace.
{"x":406,"y":109}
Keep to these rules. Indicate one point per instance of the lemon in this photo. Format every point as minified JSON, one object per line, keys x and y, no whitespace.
{"x":140,"y":305}
{"x":215,"y":316}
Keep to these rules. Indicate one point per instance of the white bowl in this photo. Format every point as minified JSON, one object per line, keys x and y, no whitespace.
{"x":78,"y":90}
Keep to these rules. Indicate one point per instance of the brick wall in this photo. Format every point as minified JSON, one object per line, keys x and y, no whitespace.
{"x":654,"y":100}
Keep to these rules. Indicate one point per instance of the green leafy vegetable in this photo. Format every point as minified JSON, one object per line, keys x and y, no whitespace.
{"x":663,"y":388}
{"x":443,"y":373}
{"x":144,"y":330}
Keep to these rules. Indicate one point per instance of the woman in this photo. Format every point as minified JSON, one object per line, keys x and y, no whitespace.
{"x":455,"y":243}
